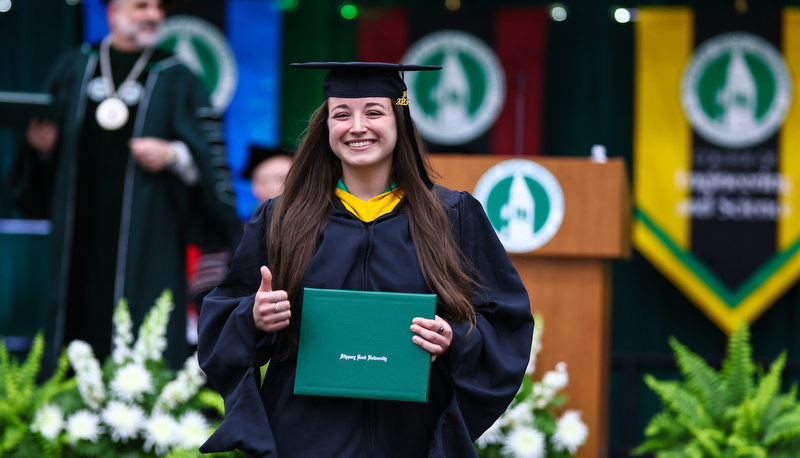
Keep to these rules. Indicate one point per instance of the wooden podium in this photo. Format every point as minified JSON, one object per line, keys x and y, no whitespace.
{"x":569,"y":278}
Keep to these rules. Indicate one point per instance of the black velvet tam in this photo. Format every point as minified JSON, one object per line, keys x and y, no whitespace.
{"x":364,"y":79}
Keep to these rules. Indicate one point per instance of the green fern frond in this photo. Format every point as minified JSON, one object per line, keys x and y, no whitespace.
{"x":768,"y":386}
{"x":694,"y":449}
{"x":752,"y":451}
{"x":4,"y":356}
{"x":664,"y":423}
{"x":663,"y":431}
{"x":738,"y":367}
{"x":13,"y":435}
{"x":10,"y":386}
{"x":773,"y":411}
{"x":671,"y":454}
{"x":792,"y":394}
{"x":748,"y":419}
{"x":709,"y":386}
{"x":28,"y":446}
{"x":674,"y":396}
{"x":710,"y":441}
{"x":779,"y":405}
{"x":744,"y":447}
{"x":21,"y":397}
{"x":56,"y":384}
{"x":182,"y":454}
{"x":654,"y":444}
{"x":212,"y":399}
{"x":785,"y":427}
{"x":30,"y":368}
{"x":745,"y":424}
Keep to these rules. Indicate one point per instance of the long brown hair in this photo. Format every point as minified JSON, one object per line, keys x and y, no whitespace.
{"x":306,"y":204}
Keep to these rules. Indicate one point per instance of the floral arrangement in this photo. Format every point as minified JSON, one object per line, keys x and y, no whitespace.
{"x":21,"y":397}
{"x":133,"y":405}
{"x":530,"y":427}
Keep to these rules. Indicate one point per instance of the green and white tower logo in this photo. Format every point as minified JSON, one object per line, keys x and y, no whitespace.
{"x":203,"y":48}
{"x":524,"y":203}
{"x":736,"y":90}
{"x":462,"y":101}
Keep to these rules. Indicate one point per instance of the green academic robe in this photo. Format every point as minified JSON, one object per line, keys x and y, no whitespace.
{"x":158,"y":215}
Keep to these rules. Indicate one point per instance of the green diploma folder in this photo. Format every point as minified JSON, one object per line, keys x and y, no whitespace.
{"x":18,"y":108}
{"x":358,"y":344}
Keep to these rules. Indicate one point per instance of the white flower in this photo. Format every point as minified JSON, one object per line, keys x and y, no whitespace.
{"x":524,"y":442}
{"x":49,"y":421}
{"x":131,"y":382}
{"x":83,"y":425}
{"x":186,"y":384}
{"x":125,"y":420}
{"x":123,"y":337}
{"x":571,"y":432}
{"x":557,"y":379}
{"x":519,"y":415}
{"x":152,"y":338}
{"x":87,"y":373}
{"x":162,"y":431}
{"x":194,"y":430}
{"x":493,"y":435}
{"x":541,"y":395}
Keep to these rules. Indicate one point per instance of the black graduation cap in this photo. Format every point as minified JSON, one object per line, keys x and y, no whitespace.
{"x":372,"y":79}
{"x":259,"y":154}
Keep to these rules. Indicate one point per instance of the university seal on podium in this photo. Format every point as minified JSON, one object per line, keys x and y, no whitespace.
{"x":524,"y":203}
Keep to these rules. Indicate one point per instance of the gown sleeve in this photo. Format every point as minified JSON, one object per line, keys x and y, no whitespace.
{"x":231,"y":349}
{"x":485,"y":363}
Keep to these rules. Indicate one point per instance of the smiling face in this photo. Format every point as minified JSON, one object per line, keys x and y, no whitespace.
{"x":135,"y":23}
{"x":363,"y":134}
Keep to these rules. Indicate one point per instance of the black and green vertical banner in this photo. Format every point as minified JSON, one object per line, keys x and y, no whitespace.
{"x":717,"y":156}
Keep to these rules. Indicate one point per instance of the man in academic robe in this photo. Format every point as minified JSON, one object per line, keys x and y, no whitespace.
{"x":131,"y":171}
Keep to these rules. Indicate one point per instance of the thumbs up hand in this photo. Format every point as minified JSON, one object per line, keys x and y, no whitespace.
{"x":271,"y":310}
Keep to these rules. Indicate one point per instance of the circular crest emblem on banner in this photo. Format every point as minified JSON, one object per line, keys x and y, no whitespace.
{"x":205,"y":51}
{"x":524,"y":203}
{"x":736,"y":90}
{"x":462,"y":101}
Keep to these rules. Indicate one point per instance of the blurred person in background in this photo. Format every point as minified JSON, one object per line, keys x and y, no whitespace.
{"x":133,"y":170}
{"x":267,"y":169}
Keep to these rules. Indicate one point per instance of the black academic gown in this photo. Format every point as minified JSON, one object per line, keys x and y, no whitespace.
{"x":471,"y":385}
{"x":158,"y":214}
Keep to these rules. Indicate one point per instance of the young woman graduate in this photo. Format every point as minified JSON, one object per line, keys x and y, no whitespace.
{"x":359,"y":212}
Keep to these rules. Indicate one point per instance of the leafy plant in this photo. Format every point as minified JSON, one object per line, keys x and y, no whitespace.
{"x":132,"y":406}
{"x":737,"y":411}
{"x":21,"y":397}
{"x":530,"y":427}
